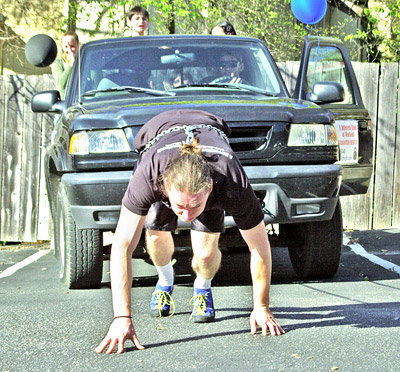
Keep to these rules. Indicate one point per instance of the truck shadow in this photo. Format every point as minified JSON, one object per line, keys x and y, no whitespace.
{"x":235,"y":263}
{"x":235,"y":270}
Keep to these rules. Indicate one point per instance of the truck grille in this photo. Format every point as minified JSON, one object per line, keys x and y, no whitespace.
{"x":248,"y":136}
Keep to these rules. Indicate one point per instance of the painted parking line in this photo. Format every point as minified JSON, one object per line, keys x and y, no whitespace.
{"x":27,"y":261}
{"x":359,"y":249}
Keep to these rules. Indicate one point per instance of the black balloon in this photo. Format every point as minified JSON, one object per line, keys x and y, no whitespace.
{"x":41,"y":50}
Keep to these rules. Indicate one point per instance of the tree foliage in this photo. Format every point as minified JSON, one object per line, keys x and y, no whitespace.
{"x":378,"y":37}
{"x":380,"y":34}
{"x":167,"y":16}
{"x":19,"y":21}
{"x":37,"y":15}
{"x":268,"y":20}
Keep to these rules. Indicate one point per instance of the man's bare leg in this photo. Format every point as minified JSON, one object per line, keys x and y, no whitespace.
{"x":206,"y":262}
{"x":160,"y":246}
{"x":206,"y":255}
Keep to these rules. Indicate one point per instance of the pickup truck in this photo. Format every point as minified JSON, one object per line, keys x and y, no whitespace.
{"x":301,"y":151}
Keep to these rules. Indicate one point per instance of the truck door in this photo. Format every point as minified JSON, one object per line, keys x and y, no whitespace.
{"x":325,"y":60}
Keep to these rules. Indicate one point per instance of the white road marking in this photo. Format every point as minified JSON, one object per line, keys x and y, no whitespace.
{"x":358,"y":249}
{"x":27,"y":261}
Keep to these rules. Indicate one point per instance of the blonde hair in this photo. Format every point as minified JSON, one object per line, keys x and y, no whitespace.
{"x":190,"y":171}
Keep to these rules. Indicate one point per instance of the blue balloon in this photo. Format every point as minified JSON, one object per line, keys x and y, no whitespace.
{"x":309,"y":12}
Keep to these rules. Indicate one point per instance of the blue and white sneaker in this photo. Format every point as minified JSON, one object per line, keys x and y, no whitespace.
{"x":203,"y":306}
{"x":161,"y":301}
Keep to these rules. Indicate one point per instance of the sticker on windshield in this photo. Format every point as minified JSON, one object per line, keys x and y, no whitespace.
{"x":347,"y":131}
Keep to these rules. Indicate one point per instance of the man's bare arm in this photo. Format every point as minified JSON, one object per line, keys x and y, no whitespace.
{"x":125,"y":240}
{"x":260,"y":268}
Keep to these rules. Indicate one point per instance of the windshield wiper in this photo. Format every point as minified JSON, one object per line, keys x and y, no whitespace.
{"x":249,"y":88}
{"x":130,"y":89}
{"x":238,"y":86}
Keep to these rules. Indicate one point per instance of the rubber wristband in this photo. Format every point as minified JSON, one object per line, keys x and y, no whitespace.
{"x":122,"y":316}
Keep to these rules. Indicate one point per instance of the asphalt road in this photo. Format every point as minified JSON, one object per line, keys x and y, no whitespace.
{"x":348,"y":323}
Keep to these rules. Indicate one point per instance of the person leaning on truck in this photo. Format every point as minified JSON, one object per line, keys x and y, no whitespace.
{"x":188,"y":170}
{"x":62,"y":67}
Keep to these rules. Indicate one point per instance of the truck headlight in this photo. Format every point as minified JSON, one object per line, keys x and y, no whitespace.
{"x":312,"y":135}
{"x":99,"y":141}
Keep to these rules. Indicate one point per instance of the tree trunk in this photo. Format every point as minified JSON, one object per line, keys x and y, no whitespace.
{"x":72,"y":13}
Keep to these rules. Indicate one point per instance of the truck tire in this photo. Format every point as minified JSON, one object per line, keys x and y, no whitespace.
{"x":80,"y":251}
{"x":315,"y":247}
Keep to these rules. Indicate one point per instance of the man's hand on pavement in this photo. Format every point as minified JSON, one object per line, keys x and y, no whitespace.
{"x":121,"y":329}
{"x":263,"y":318}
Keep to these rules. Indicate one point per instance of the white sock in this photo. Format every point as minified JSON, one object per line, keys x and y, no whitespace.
{"x":165,"y":274}
{"x":202,"y":283}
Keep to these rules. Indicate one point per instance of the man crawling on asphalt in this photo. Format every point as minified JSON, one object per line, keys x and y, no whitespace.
{"x":188,"y":170}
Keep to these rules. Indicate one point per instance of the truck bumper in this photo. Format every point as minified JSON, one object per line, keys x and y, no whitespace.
{"x":288,"y":194}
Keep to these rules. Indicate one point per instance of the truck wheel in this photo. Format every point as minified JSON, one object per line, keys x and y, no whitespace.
{"x":80,"y":251}
{"x":315,"y":247}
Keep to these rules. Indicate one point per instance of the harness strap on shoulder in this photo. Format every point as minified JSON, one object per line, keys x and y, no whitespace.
{"x":189,"y":131}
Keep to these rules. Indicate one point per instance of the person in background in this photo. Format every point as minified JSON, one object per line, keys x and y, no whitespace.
{"x":231,"y":67}
{"x":182,"y":79}
{"x":62,"y":66}
{"x":175,"y":79}
{"x":138,"y":21}
{"x":223,"y":28}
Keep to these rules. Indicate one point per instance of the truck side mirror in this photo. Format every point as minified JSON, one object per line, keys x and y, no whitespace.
{"x":47,"y":101}
{"x":326,"y":92}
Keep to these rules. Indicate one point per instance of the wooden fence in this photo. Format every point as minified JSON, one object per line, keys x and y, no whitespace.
{"x":24,"y":136}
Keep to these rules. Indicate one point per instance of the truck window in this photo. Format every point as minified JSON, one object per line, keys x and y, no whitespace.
{"x":326,"y":63}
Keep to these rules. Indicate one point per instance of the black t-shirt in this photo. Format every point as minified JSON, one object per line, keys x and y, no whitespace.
{"x":231,"y":188}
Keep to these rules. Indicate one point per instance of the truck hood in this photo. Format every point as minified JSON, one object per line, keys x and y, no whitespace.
{"x":131,"y":113}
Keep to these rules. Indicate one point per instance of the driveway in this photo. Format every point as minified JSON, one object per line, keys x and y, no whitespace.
{"x":348,"y":323}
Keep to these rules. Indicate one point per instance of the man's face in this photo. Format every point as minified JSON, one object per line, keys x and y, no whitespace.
{"x":230,"y":65}
{"x":69,"y":46}
{"x":186,"y":206}
{"x":138,"y":24}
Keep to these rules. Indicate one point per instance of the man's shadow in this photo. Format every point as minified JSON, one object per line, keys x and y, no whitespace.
{"x":362,"y":315}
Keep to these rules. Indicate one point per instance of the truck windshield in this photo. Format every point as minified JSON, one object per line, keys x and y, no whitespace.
{"x":169,"y":64}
